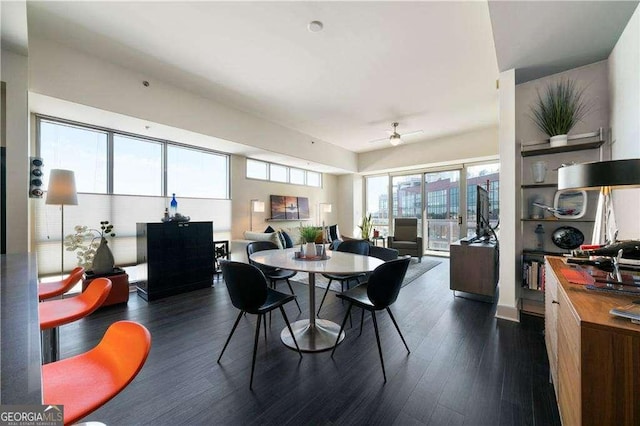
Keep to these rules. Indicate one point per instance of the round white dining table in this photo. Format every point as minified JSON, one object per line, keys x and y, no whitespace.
{"x":315,"y":335}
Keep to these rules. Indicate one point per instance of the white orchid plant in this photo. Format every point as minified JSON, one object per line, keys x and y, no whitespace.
{"x":85,"y":242}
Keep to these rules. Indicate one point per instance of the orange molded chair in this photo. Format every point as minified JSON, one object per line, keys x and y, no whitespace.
{"x":56,"y":288}
{"x":85,"y":382}
{"x":54,"y":313}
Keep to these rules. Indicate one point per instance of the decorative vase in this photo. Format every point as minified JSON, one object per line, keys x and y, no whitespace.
{"x":103,"y":259}
{"x":310,"y":249}
{"x":558,"y":140}
{"x":539,"y":169}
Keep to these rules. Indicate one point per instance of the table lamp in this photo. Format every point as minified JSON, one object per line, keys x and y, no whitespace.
{"x":255,"y":206}
{"x":62,"y":191}
{"x":604,"y":176}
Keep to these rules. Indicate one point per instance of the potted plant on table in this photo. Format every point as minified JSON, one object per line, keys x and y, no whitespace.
{"x":561,"y":107}
{"x":91,"y":247}
{"x":309,"y":235}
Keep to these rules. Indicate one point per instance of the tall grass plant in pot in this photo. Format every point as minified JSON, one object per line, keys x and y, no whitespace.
{"x":559,"y":110}
{"x":309,"y":235}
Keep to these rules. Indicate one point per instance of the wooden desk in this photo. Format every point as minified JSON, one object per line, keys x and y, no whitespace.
{"x":594,"y":356}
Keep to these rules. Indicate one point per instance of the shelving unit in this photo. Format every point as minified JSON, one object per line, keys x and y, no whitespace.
{"x":581,"y":148}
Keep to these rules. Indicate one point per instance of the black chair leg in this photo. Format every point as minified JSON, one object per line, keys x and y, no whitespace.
{"x":361,"y":322}
{"x":375,"y":325}
{"x":231,"y":334}
{"x":326,"y":290}
{"x":255,"y":348}
{"x":344,"y":321}
{"x":398,"y":328}
{"x":286,"y":320}
{"x":265,"y":329}
{"x":295,"y":300}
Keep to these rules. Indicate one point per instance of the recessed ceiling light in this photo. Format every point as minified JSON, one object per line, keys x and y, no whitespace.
{"x":315,"y":26}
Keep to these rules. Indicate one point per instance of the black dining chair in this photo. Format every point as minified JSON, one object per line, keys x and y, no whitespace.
{"x":349,"y":246}
{"x":250,"y":293}
{"x":273,"y":274}
{"x":379,"y":293}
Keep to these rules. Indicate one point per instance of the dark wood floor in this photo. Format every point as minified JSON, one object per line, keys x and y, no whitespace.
{"x":465,"y":366}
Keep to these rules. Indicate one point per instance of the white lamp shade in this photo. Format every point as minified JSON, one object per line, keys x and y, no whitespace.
{"x":257,"y":206}
{"x":326,"y":208}
{"x":62,"y":188}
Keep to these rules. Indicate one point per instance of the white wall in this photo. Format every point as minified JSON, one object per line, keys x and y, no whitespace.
{"x":509,"y":200}
{"x":593,"y":77}
{"x":624,"y":86}
{"x":14,"y":73}
{"x":64,"y":73}
{"x":351,"y":203}
{"x":244,"y":190}
{"x":458,"y":148}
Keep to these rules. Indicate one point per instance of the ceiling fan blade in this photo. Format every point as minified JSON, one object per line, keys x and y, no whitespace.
{"x":380,"y":140}
{"x":409,"y":134}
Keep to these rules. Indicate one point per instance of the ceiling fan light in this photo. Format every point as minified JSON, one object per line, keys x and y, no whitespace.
{"x":395,"y":139}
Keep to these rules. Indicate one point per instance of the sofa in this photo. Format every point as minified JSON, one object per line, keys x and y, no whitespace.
{"x":283,"y":238}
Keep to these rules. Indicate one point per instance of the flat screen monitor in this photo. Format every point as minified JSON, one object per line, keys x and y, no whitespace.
{"x":483,"y":228}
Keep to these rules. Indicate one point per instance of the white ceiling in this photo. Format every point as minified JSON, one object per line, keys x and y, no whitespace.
{"x":428,"y":65}
{"x":540,"y":38}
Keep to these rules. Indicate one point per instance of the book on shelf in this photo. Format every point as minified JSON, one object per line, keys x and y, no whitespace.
{"x":533,"y":275}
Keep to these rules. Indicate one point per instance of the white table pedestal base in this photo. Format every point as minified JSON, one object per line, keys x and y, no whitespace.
{"x":312,"y":338}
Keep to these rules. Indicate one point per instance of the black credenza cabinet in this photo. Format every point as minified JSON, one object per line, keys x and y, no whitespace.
{"x":175,"y":257}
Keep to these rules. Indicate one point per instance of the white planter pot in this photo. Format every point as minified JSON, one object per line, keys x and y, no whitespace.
{"x":310,"y":249}
{"x":558,"y":140}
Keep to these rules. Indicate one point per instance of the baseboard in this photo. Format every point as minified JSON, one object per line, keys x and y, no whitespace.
{"x":509,"y":313}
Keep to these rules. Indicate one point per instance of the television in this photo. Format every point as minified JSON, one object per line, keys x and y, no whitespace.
{"x":483,"y":228}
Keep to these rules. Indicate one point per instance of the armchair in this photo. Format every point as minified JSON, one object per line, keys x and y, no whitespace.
{"x":405,"y":238}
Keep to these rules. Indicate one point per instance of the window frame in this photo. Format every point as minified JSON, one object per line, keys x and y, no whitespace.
{"x":288,"y":169}
{"x":110,"y":154}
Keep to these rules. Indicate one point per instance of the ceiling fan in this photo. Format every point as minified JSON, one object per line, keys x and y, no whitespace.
{"x":396,"y":138}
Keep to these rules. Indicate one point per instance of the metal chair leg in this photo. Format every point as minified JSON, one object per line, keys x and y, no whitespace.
{"x":295,"y":300}
{"x":255,"y":348}
{"x":326,"y":290}
{"x":286,"y":320}
{"x":398,"y":328}
{"x":375,"y":325}
{"x":231,"y":334}
{"x":344,"y":321}
{"x":265,"y":328}
{"x":361,"y":322}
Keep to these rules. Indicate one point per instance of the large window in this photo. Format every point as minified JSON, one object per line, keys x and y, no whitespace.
{"x":83,"y":150}
{"x":195,"y":173}
{"x":137,"y":166}
{"x":124,"y":179}
{"x":488,"y":176}
{"x":377,"y":190}
{"x":263,"y":170}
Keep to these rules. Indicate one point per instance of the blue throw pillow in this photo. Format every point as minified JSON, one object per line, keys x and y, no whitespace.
{"x":288,"y":242}
{"x":269,"y":230}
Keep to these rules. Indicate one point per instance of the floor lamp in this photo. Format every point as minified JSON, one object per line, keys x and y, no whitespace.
{"x":323,"y":208}
{"x":256,"y":206}
{"x":62,"y":191}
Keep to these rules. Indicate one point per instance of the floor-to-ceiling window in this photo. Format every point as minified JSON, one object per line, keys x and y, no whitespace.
{"x":487,"y":175}
{"x":446,"y":199}
{"x":442,"y":194}
{"x":125,"y":179}
{"x":377,"y":196}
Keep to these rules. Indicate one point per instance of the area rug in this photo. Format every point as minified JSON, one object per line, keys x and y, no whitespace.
{"x":415,"y":270}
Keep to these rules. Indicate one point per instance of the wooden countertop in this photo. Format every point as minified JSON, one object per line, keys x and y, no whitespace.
{"x":592,"y":308}
{"x":20,"y":330}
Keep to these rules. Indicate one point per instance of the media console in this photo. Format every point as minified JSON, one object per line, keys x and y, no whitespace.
{"x":474,"y":267}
